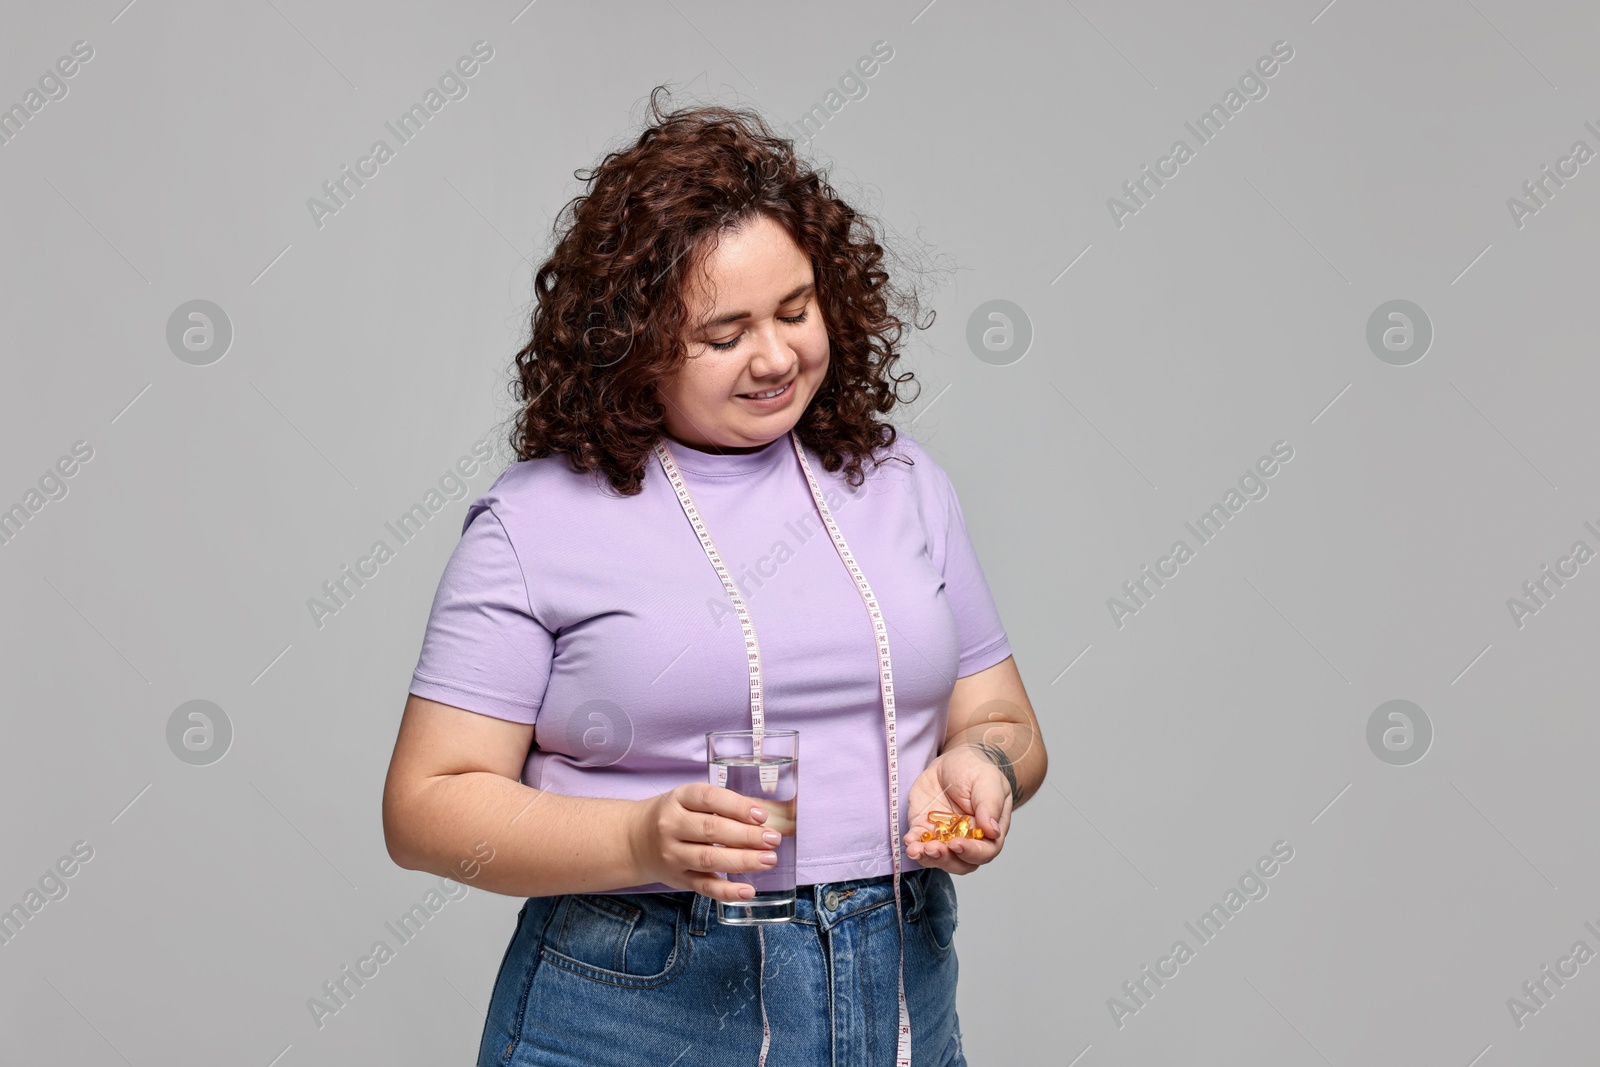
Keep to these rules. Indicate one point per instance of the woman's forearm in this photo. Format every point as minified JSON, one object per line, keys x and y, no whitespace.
{"x":497,"y":834}
{"x":990,"y":711}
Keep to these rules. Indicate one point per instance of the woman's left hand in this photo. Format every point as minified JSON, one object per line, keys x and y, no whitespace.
{"x":965,"y":781}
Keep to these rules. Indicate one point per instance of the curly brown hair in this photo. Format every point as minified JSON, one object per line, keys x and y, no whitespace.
{"x":611,"y":313}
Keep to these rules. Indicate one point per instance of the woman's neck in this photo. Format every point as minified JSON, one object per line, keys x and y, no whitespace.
{"x":716,"y":450}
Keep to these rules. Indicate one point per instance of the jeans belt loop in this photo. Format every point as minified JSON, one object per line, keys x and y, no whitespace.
{"x":699,"y":914}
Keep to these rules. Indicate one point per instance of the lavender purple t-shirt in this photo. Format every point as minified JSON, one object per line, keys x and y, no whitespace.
{"x":598,"y":618}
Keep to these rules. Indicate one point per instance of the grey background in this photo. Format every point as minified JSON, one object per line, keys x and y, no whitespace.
{"x":1228,"y":314}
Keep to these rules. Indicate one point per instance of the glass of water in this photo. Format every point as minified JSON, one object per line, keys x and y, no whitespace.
{"x":766,"y":768}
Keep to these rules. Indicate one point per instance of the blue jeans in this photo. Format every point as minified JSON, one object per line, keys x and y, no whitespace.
{"x":653,"y":980}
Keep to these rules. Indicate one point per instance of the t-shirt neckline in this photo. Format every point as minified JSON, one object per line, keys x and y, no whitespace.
{"x":727,"y":464}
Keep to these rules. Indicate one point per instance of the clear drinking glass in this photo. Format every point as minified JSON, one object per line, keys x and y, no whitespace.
{"x":767,"y":770}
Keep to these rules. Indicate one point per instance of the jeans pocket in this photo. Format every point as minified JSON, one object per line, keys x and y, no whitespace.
{"x":938,"y":918}
{"x":627,"y":939}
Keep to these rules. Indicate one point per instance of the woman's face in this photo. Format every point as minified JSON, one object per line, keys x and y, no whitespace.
{"x":755,"y":327}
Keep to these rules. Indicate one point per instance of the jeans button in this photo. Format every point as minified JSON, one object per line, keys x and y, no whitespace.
{"x":831,"y":899}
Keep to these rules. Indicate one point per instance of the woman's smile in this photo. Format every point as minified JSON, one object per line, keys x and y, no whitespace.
{"x":772,"y":399}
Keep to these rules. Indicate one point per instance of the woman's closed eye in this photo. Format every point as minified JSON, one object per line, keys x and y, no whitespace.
{"x":793,"y":320}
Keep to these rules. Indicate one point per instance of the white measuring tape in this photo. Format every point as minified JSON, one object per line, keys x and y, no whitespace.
{"x":758,"y":717}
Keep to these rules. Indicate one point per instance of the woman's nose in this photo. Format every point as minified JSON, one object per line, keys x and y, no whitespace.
{"x":772,"y":358}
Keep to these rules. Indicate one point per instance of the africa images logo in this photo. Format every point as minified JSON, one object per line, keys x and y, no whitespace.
{"x":1212,"y":521}
{"x":52,"y":86}
{"x":452,"y":86}
{"x":1252,"y":886}
{"x":453,"y":485}
{"x":1211,"y":122}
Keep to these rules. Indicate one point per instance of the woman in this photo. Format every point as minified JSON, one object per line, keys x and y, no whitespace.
{"x":713,"y":334}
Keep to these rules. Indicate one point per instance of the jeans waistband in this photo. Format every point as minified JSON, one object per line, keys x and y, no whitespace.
{"x":827,"y":904}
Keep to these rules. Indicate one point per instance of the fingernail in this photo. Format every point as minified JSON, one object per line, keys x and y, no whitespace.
{"x":769,"y":857}
{"x":771,"y":837}
{"x":758,"y":815}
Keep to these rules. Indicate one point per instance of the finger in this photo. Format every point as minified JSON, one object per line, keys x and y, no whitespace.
{"x":775,"y":814}
{"x":952,"y":863}
{"x":917,"y":848}
{"x":713,"y":858}
{"x":990,"y":793}
{"x":704,"y":828}
{"x":722,"y":889}
{"x":780,"y":815}
{"x":986,"y":845}
{"x":979,"y":851}
{"x":913,"y":836}
{"x":1005,"y":819}
{"x":718,"y":800}
{"x":1003,"y":822}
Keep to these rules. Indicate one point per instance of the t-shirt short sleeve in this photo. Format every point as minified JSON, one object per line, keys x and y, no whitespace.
{"x":483,"y":649}
{"x":983,"y":637}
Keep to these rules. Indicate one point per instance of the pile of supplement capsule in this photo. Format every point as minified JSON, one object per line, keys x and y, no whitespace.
{"x":948,"y":824}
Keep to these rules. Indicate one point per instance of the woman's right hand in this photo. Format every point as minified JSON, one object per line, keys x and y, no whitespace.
{"x":675,"y":835}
